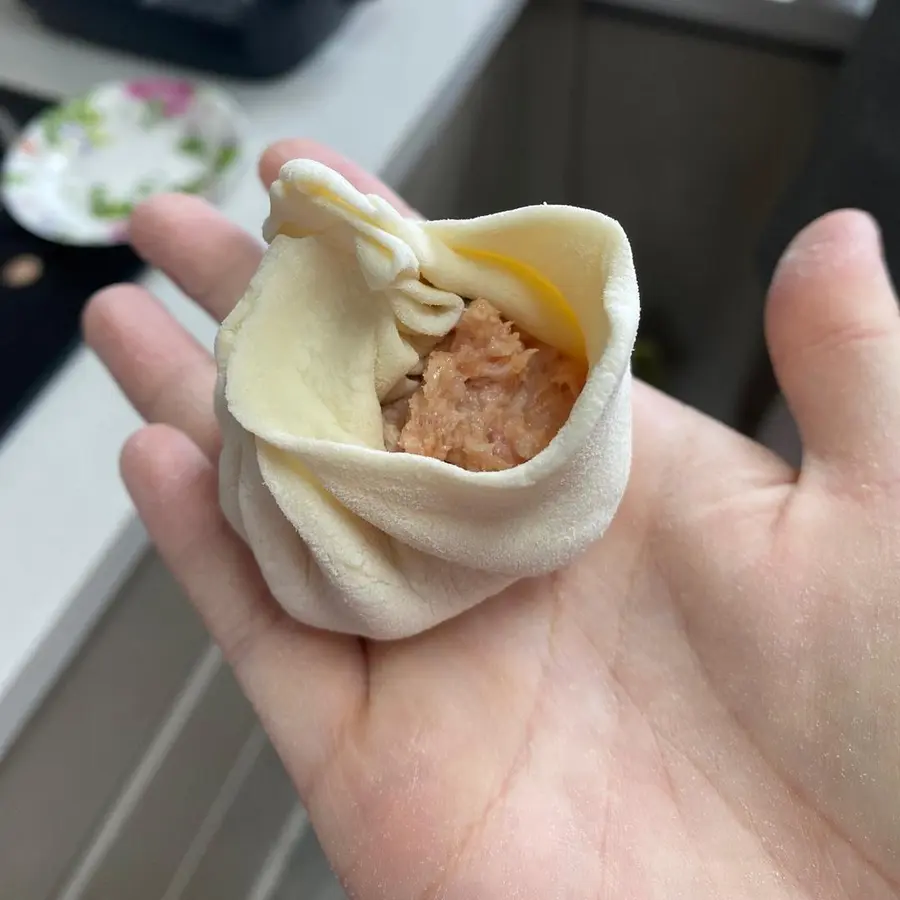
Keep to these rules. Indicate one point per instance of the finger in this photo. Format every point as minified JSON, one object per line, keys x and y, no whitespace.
{"x":208,"y":257}
{"x":834,"y":335}
{"x":687,"y":467}
{"x":298,"y":148}
{"x":164,"y":372}
{"x":304,"y":684}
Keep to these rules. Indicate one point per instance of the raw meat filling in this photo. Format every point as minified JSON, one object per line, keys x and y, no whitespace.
{"x":491,"y":397}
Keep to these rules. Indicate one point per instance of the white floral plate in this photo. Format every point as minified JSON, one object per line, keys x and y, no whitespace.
{"x":78,"y":170}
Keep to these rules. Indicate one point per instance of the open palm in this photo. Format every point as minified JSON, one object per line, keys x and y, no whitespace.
{"x":707,"y":704}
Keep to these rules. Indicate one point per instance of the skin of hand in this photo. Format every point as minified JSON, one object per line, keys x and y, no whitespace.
{"x":706,"y":705}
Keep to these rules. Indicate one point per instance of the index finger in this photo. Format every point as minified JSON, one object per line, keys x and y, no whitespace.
{"x":299,"y":148}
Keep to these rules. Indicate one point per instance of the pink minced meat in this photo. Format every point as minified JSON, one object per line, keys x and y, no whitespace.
{"x":491,"y":397}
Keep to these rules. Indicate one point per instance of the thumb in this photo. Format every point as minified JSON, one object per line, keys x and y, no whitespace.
{"x":834,"y":336}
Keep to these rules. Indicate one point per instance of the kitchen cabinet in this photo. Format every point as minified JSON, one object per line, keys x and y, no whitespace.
{"x":689,"y":138}
{"x":76,"y":754}
{"x":511,"y":142}
{"x":145,"y":773}
{"x":473,"y":164}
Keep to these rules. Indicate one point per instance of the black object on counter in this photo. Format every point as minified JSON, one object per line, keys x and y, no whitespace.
{"x":243,"y":38}
{"x":43,"y":290}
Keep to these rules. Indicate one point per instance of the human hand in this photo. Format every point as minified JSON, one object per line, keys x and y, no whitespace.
{"x":706,"y":705}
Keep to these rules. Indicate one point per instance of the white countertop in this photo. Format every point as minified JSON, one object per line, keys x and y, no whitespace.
{"x":68,"y":533}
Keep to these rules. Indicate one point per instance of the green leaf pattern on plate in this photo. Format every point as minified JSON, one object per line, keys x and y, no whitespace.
{"x":226,"y":157}
{"x":14,"y":179}
{"x":81,"y":115}
{"x":219,"y":160}
{"x":193,"y":145}
{"x":197,"y":186}
{"x":107,"y":208}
